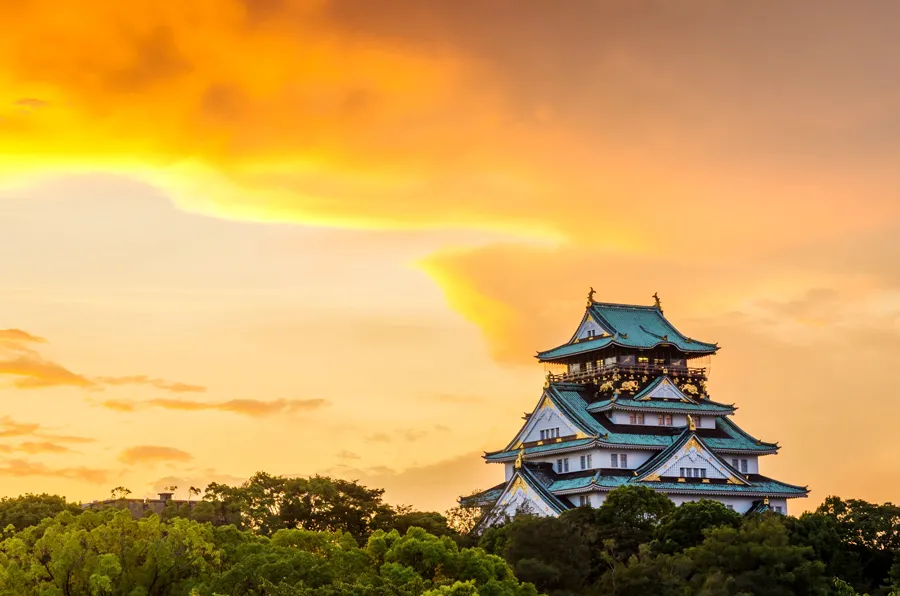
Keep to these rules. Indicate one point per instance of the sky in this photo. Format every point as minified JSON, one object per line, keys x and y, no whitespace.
{"x":328,"y":236}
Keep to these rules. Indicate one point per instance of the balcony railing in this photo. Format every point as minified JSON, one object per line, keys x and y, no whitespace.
{"x":642,"y":369}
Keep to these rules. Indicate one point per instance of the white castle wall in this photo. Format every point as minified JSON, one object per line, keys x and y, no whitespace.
{"x":739,"y":504}
{"x":652,"y":419}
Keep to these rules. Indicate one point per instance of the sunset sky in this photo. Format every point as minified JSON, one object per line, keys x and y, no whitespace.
{"x":328,"y":236}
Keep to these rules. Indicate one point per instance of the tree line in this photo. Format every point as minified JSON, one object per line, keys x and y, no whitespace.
{"x":322,"y":536}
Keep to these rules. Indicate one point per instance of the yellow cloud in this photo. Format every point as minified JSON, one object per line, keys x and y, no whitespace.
{"x":34,"y":447}
{"x":173,"y":386}
{"x":247,"y":407}
{"x":153,"y":454}
{"x":23,"y":469}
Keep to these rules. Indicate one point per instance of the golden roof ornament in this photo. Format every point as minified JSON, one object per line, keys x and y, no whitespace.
{"x":590,"y":298}
{"x":519,"y":457}
{"x":656,"y":301}
{"x":548,"y":379}
{"x":691,"y":426}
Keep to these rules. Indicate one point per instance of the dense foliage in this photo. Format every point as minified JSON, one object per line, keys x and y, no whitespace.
{"x":319,"y":536}
{"x":638,"y":543}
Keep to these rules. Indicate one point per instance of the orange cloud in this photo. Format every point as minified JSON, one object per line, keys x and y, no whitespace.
{"x":23,"y":469}
{"x":19,"y":336}
{"x":247,"y":407}
{"x":153,"y":454}
{"x":174,"y":387}
{"x":34,"y":372}
{"x":11,"y":428}
{"x":33,"y":447}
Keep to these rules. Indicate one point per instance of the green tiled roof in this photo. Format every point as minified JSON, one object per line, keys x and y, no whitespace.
{"x":760,"y":486}
{"x":703,"y":407}
{"x":486,"y":496}
{"x":568,"y":398}
{"x":539,"y":487}
{"x":537,"y":449}
{"x":641,"y":327}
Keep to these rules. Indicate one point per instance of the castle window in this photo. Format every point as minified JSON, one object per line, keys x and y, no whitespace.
{"x":777,"y":508}
{"x":681,"y":470}
{"x":623,"y":459}
{"x":661,"y":419}
{"x":743,"y":466}
{"x":584,"y":501}
{"x":734,"y":463}
{"x":635,"y":418}
{"x":566,"y":464}
{"x":659,"y":361}
{"x":589,"y":460}
{"x":643,"y":360}
{"x":583,"y":462}
{"x":698,"y":420}
{"x":702,"y":472}
{"x":614,"y":460}
{"x":559,"y":466}
{"x":668,"y":420}
{"x":664,"y":419}
{"x":730,"y":507}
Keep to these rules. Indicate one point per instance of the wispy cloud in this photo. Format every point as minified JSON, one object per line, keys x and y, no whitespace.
{"x":10,"y":428}
{"x":153,"y":454}
{"x":23,"y":469}
{"x":34,"y":447}
{"x":19,"y":359}
{"x":19,"y":336}
{"x":347,"y":455}
{"x":173,"y":386}
{"x":247,"y":407}
{"x":459,"y":399}
{"x":404,"y":434}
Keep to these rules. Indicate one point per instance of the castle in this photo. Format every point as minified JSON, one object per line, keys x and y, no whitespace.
{"x":625,"y":403}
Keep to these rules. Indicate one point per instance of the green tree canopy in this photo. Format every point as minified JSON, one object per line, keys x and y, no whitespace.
{"x":29,"y":510}
{"x":685,"y":525}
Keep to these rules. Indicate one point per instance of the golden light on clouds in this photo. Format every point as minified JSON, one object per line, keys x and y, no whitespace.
{"x":153,"y":454}
{"x":408,"y":199}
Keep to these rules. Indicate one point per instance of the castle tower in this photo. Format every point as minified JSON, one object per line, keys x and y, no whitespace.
{"x":625,"y":403}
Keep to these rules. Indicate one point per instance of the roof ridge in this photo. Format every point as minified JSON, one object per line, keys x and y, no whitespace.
{"x":623,"y":305}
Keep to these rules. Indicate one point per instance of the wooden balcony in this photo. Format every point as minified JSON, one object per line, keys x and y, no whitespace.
{"x":651,"y":370}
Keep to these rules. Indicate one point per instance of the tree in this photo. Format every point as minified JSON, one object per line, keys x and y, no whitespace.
{"x":685,"y":526}
{"x":545,"y":551}
{"x":629,"y":517}
{"x":193,"y":492}
{"x":756,"y":558}
{"x":267,"y":503}
{"x":120,"y":492}
{"x":855,"y":539}
{"x":430,"y":521}
{"x":28,"y":510}
{"x":106,"y":552}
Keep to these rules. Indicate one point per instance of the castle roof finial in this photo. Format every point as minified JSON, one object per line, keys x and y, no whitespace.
{"x":519,"y":457}
{"x":656,"y":301}
{"x":691,"y":426}
{"x":590,"y":299}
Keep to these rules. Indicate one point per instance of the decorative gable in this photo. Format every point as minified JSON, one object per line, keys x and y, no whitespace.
{"x":590,"y":328}
{"x":693,"y":455}
{"x":662,"y":388}
{"x":546,"y":417}
{"x":520,"y":497}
